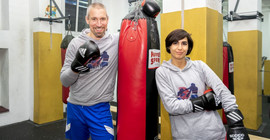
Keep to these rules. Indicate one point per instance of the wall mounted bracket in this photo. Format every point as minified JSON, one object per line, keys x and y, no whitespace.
{"x":50,"y":19}
{"x":233,"y":16}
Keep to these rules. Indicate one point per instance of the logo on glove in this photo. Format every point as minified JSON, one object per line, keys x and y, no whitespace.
{"x":237,"y":136}
{"x":82,"y":52}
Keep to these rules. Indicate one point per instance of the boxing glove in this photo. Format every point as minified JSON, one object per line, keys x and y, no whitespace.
{"x":236,"y":129}
{"x":86,"y":52}
{"x":150,"y":8}
{"x":218,"y":102}
{"x":207,"y":101}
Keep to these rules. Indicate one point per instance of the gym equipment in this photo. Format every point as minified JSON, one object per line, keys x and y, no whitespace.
{"x":228,"y":68}
{"x":64,"y":46}
{"x":85,"y":53}
{"x":236,"y":129}
{"x":207,"y":101}
{"x":139,"y":56}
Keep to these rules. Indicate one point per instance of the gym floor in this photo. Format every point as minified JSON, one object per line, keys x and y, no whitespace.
{"x":27,"y":130}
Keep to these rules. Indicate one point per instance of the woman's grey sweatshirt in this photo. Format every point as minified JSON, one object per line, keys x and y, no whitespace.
{"x":176,"y":87}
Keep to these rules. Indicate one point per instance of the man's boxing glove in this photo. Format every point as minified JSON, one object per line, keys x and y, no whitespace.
{"x":86,"y":52}
{"x":150,"y":8}
{"x":236,"y":129}
{"x":207,"y":101}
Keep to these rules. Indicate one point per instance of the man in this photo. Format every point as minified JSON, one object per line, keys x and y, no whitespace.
{"x":89,"y":70}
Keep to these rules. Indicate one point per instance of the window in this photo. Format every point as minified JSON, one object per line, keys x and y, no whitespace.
{"x":77,"y":10}
{"x":4,"y":15}
{"x":4,"y":78}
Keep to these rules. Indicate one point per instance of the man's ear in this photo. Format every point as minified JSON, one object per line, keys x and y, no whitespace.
{"x":87,"y":19}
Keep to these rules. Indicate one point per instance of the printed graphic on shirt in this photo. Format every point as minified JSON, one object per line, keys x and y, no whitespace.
{"x":101,"y":62}
{"x":186,"y":93}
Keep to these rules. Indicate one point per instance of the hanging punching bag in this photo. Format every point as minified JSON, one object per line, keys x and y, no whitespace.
{"x":139,"y":56}
{"x":64,"y":45}
{"x":228,"y":68}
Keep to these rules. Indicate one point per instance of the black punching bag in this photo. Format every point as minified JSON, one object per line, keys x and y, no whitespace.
{"x":139,"y":56}
{"x":64,"y":46}
{"x":228,"y":68}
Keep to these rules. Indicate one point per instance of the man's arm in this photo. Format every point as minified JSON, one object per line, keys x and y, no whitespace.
{"x":75,"y":64}
{"x":67,"y":76}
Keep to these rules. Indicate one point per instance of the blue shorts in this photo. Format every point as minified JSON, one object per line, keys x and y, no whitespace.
{"x":89,"y":121}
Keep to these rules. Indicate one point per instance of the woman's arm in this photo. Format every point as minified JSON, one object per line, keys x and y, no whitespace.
{"x":172,"y":104}
{"x":223,"y":93}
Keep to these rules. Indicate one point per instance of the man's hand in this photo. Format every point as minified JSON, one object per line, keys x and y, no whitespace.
{"x":87,"y":52}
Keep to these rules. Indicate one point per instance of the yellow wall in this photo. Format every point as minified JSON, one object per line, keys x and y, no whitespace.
{"x":48,"y":104}
{"x":205,"y":25}
{"x":247,"y":50}
{"x":267,"y":77}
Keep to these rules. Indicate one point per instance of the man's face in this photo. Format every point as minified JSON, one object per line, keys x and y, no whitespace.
{"x":98,"y":22}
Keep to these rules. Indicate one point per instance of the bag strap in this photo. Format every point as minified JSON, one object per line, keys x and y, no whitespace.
{"x":69,"y":28}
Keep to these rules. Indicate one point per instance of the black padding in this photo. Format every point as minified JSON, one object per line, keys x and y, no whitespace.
{"x":234,"y":117}
{"x":151,"y":8}
{"x":66,"y":41}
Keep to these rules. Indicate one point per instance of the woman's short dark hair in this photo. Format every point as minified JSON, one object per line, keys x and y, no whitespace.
{"x":177,"y":35}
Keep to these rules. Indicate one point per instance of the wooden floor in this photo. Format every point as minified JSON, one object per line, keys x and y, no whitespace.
{"x":252,"y":137}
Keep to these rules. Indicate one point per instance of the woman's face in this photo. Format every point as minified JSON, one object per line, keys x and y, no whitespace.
{"x":179,"y":49}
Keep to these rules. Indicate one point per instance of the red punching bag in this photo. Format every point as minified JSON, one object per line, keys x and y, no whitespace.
{"x":228,"y":68}
{"x":64,"y":45}
{"x":139,"y":56}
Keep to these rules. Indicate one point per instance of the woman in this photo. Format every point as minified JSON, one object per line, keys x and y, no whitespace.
{"x":181,"y":83}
